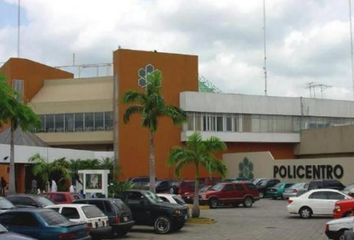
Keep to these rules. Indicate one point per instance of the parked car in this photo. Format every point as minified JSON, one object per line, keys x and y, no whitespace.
{"x":5,"y":205}
{"x":233,"y":193}
{"x":315,"y":202}
{"x":43,"y":224}
{"x":277,"y":190}
{"x":257,"y":180}
{"x":119,"y":215}
{"x":343,"y":208}
{"x":349,"y":190}
{"x":149,"y":209}
{"x":28,"y":200}
{"x":295,"y":190}
{"x":140,"y":182}
{"x":325,"y":183}
{"x":167,"y":186}
{"x":335,"y":228}
{"x":62,"y":197}
{"x":171,"y":198}
{"x":6,"y":235}
{"x":89,"y":214}
{"x":264,"y":184}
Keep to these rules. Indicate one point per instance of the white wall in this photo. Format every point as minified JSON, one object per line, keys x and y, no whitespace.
{"x":23,"y":153}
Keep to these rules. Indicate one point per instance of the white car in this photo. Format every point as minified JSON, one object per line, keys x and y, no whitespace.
{"x":96,"y":220}
{"x":335,"y":228}
{"x":175,"y":199}
{"x":315,"y":202}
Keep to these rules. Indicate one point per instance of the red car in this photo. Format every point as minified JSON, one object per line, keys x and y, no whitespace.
{"x":233,"y":193}
{"x":343,"y":208}
{"x":62,"y":197}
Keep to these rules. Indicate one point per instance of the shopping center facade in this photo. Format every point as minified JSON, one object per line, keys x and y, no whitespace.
{"x":86,"y":113}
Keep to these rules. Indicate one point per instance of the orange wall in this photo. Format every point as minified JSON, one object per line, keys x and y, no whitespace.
{"x":32,"y":73}
{"x":180,"y":73}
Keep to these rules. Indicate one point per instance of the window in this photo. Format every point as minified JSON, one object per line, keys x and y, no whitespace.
{"x":108,"y":120}
{"x":89,"y":122}
{"x":22,"y":201}
{"x":239,"y":187}
{"x":50,"y":123}
{"x":59,"y":122}
{"x":53,"y":218}
{"x":228,"y":187}
{"x":59,"y":198}
{"x":134,"y":197}
{"x":25,"y":219}
{"x":99,"y":121}
{"x":92,"y":212}
{"x":318,"y":195}
{"x":219,"y":124}
{"x":228,"y":123}
{"x":69,"y":122}
{"x":18,"y":86}
{"x":163,"y":199}
{"x":99,"y":204}
{"x":197,"y":122}
{"x":79,"y":122}
{"x":335,"y":196}
{"x":8,"y":218}
{"x":70,"y":213}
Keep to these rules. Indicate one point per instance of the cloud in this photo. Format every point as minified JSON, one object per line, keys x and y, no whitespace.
{"x":307,"y":40}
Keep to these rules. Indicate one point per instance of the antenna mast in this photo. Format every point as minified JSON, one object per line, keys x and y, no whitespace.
{"x":18,"y":27}
{"x":265,"y":49}
{"x":351,"y":41}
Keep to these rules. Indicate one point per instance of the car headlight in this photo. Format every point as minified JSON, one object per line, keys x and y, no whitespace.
{"x":177,"y":212}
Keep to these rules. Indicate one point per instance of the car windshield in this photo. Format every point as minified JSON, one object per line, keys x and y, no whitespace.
{"x":5,"y":204}
{"x":92,"y":212}
{"x":120,"y":204}
{"x":278,"y":185}
{"x":217,"y":187}
{"x":347,"y":188}
{"x":2,"y":229}
{"x":44,"y":201}
{"x":178,"y":200}
{"x":53,"y":218}
{"x":297,"y":186}
{"x":153,"y":197}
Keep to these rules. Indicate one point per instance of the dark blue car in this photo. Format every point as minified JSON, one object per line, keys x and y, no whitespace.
{"x":6,"y":235}
{"x":43,"y":224}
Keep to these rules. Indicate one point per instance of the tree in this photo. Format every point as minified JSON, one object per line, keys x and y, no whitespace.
{"x":151,"y":105}
{"x":198,"y":153}
{"x":17,"y":114}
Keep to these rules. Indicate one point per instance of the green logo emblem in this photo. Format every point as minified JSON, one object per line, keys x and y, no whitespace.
{"x":142,"y":74}
{"x":246,"y":169}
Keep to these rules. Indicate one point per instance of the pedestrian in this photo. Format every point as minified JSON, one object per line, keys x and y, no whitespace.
{"x":3,"y":186}
{"x":34,"y":186}
{"x":54,"y":187}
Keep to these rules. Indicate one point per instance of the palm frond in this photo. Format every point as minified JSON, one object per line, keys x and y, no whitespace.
{"x":130,"y":111}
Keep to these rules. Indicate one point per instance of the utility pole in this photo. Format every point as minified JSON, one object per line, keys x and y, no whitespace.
{"x":351,"y":42}
{"x":265,"y":49}
{"x":18,"y":27}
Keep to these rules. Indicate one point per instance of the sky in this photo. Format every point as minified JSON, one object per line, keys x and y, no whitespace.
{"x":308,"y":41}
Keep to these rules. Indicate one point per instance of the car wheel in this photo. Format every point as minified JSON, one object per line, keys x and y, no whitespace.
{"x":162,"y":225}
{"x":340,"y":235}
{"x":305,"y":212}
{"x":248,"y":202}
{"x":213,"y":203}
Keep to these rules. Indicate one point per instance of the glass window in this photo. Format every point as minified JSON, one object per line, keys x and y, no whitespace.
{"x":93,"y":181}
{"x":246,"y":123}
{"x":228,"y":187}
{"x":42,"y":119}
{"x":108,"y":119}
{"x":79,"y":122}
{"x":92,"y":212}
{"x":197,"y":122}
{"x":69,"y":122}
{"x":228,"y":123}
{"x":25,"y":219}
{"x":50,"y":123}
{"x":89,"y":122}
{"x":18,"y":86}
{"x":59,"y":122}
{"x":335,"y":196}
{"x":53,"y":218}
{"x":99,"y":204}
{"x":205,"y":123}
{"x":58,"y":198}
{"x":190,"y":121}
{"x":99,"y":121}
{"x":163,"y":199}
{"x":219,"y":124}
{"x":70,"y":213}
{"x":318,"y":195}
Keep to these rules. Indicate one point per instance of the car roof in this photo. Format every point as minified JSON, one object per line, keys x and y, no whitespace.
{"x":69,"y":205}
{"x":28,"y":210}
{"x":165,"y":194}
{"x":324,"y":189}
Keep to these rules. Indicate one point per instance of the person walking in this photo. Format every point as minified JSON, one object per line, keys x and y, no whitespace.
{"x":3,"y":184}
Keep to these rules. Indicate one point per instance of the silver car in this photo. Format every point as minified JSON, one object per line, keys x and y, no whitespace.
{"x":295,"y":190}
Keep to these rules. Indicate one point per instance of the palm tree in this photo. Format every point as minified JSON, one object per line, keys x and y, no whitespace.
{"x":198,"y":153}
{"x":41,"y":169}
{"x":151,"y":105}
{"x":16,"y":114}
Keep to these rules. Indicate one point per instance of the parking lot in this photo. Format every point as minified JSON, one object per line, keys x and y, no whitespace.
{"x":266,"y":220}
